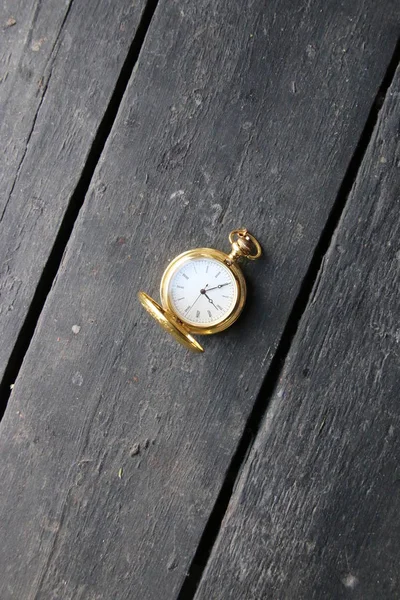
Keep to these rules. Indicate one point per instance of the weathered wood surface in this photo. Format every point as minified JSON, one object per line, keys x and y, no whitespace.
{"x":230,"y":119}
{"x":316,"y":511}
{"x":59,"y":64}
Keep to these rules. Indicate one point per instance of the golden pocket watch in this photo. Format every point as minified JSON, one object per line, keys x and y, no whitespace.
{"x":203,"y":291}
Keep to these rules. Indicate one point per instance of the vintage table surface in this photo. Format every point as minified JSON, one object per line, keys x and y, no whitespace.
{"x":267,"y":467}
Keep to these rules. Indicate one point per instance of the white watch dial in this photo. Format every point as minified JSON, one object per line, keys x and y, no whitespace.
{"x":203,"y":292}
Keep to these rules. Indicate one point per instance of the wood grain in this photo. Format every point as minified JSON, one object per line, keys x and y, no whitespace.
{"x":59,"y":64}
{"x":315,"y":513}
{"x":116,"y":441}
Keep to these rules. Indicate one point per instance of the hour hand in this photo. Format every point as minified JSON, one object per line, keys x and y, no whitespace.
{"x":210,"y":300}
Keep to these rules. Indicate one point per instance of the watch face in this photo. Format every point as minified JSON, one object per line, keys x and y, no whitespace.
{"x":203,"y":291}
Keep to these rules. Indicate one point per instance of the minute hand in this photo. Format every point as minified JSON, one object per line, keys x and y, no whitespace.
{"x":218,"y":286}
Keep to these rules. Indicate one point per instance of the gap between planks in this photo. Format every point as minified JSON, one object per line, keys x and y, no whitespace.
{"x":213,"y":526}
{"x":71,"y":214}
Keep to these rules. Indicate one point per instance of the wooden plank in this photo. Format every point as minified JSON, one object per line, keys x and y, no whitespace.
{"x":59,"y":65}
{"x":228,"y":120}
{"x":315,"y":513}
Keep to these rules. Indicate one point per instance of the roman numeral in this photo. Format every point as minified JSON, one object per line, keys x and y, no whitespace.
{"x":220,"y":307}
{"x":197,"y":314}
{"x":209,"y":313}
{"x":218,"y":274}
{"x":207,"y":268}
{"x":180,"y":299}
{"x":225,"y":296}
{"x":180,"y":287}
{"x":185,"y":276}
{"x":187,"y":308}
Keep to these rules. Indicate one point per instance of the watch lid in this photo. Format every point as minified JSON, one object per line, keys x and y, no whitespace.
{"x":169,"y":322}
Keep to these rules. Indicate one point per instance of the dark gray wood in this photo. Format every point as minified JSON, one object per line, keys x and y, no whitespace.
{"x":231,"y":118}
{"x":59,"y":63}
{"x":316,"y":511}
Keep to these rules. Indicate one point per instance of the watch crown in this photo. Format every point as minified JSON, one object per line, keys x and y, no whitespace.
{"x":243,"y":244}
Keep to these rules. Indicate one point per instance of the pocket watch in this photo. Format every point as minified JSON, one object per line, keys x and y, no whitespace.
{"x":203,"y":291}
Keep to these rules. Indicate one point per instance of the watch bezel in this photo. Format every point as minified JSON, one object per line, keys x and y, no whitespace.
{"x":215,"y":255}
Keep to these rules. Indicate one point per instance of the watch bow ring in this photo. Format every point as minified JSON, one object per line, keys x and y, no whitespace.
{"x":203,"y":291}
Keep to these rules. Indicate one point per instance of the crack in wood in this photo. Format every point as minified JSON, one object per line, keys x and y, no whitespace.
{"x":44,"y":88}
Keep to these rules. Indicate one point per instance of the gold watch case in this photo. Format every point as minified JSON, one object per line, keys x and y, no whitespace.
{"x":243,"y":244}
{"x":222,"y":257}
